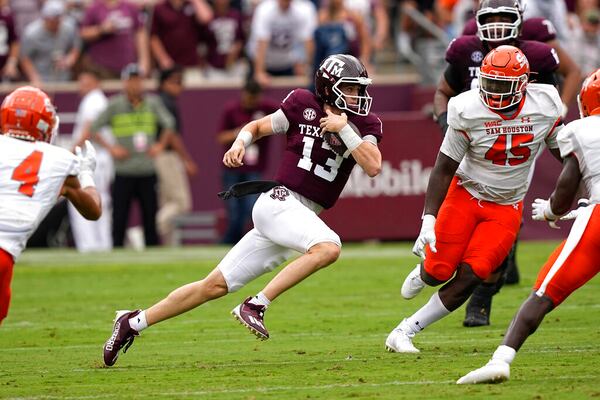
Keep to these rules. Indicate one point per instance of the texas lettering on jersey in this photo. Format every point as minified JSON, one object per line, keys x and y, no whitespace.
{"x":309,"y":166}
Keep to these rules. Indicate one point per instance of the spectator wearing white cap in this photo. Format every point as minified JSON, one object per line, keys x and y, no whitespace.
{"x":50,"y":45}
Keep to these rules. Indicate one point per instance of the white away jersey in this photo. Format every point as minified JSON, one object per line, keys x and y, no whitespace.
{"x":31,"y":176}
{"x":582,"y":138}
{"x":496,"y":154}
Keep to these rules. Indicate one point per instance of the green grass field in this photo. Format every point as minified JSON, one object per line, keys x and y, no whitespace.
{"x":326,"y":341}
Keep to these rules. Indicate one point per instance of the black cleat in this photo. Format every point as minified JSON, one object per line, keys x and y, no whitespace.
{"x":476,"y":317}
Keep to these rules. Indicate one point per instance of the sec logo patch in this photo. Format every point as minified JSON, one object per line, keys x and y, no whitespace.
{"x":477,"y":56}
{"x":309,"y":114}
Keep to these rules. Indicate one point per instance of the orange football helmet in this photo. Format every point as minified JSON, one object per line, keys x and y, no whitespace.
{"x":28,"y":114}
{"x":503,"y":77}
{"x":589,"y":96}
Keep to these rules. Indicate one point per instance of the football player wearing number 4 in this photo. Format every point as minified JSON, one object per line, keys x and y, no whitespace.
{"x":576,"y":260}
{"x":33,"y":173}
{"x":474,"y":199}
{"x":311,"y":177}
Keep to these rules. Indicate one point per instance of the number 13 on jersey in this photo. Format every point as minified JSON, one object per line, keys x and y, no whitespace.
{"x":321,"y":171}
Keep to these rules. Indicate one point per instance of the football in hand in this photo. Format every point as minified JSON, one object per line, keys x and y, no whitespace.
{"x":335,"y":142}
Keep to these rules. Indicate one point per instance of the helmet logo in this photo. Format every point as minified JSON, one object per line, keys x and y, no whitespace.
{"x":333,"y":66}
{"x":520,"y":59}
{"x":309,"y":114}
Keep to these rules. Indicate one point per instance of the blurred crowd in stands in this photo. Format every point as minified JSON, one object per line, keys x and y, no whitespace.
{"x":576,"y":24}
{"x":52,"y":40}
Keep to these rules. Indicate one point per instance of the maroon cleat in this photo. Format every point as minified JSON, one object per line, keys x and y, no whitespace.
{"x":252,"y":317}
{"x":121,"y":338}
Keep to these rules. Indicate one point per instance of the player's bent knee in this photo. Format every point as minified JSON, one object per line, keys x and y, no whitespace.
{"x":328,"y":253}
{"x":467,"y":276}
{"x":214,"y":285}
{"x":437,"y":272}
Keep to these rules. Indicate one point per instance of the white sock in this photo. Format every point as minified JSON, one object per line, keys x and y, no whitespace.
{"x":261,"y":300}
{"x":504,"y":353}
{"x":139,"y":322}
{"x":433,"y":311}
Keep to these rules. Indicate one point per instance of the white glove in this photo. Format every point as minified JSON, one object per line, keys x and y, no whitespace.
{"x":574,"y":213}
{"x":426,"y":236}
{"x":87,"y":164}
{"x":541,"y":211}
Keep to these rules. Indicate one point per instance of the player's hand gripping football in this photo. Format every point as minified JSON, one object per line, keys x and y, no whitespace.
{"x":234,"y":156}
{"x":333,"y":122}
{"x":87,"y":164}
{"x":426,"y":237}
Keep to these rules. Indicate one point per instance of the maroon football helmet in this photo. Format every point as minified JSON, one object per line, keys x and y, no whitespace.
{"x":341,"y":69}
{"x":499,"y":32}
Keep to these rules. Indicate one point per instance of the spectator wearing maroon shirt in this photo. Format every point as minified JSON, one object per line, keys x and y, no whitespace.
{"x":224,"y":38}
{"x":249,"y":107}
{"x":174,"y":32}
{"x":115,"y":36}
{"x":9,"y":44}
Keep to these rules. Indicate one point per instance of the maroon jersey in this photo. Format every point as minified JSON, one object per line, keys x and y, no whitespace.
{"x":464,"y":54}
{"x":220,"y":35}
{"x":538,"y":29}
{"x":178,"y":32}
{"x":235,"y":116}
{"x":8,"y":35}
{"x":309,"y":166}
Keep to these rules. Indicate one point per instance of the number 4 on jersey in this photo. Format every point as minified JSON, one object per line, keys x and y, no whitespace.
{"x":510,"y":144}
{"x":27,"y":173}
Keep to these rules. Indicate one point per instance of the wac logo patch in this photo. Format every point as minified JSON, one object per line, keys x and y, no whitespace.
{"x":280,"y":193}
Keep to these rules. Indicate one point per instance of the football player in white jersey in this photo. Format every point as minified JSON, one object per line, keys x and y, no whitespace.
{"x":33,"y":174}
{"x":477,"y":185}
{"x":576,"y":260}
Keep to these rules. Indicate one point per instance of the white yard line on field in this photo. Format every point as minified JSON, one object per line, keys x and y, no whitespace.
{"x":189,"y":393}
{"x":208,"y":337}
{"x":67,"y":257}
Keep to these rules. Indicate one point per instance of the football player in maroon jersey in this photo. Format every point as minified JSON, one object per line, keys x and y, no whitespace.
{"x":327,"y":134}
